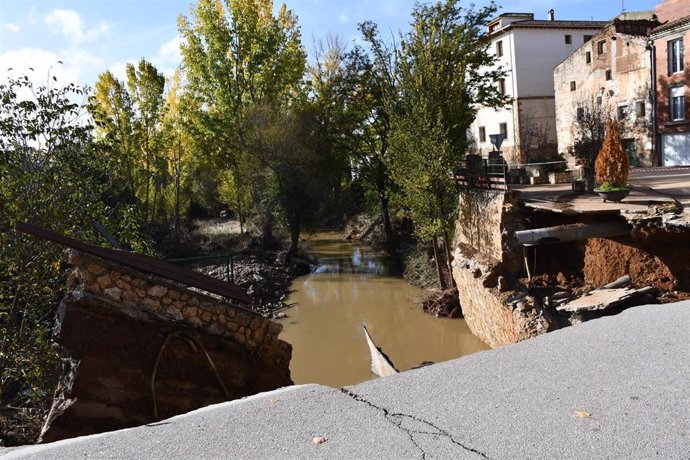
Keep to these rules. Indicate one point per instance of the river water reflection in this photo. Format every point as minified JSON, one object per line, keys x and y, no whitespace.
{"x":351,"y":287}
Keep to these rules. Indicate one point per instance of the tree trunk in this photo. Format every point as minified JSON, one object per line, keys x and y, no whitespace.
{"x":240,"y":213}
{"x":178,"y":171}
{"x":294,"y":243}
{"x":449,"y":262}
{"x":437,"y":261}
{"x":267,"y":233}
{"x":154,"y":203}
{"x":388,"y":228}
{"x":148,"y":182}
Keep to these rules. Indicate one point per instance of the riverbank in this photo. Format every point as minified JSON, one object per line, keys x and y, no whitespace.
{"x":264,"y":274}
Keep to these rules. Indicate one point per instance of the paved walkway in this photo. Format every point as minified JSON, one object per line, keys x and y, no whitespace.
{"x":617,"y":387}
{"x":650,"y":187}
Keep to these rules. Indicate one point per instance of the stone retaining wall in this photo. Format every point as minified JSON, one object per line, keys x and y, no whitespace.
{"x":139,"y":348}
{"x":168,"y":301}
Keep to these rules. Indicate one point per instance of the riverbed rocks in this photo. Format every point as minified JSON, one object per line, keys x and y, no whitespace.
{"x":266,"y":281}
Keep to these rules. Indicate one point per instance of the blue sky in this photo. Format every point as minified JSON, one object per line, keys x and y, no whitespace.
{"x":90,"y":36}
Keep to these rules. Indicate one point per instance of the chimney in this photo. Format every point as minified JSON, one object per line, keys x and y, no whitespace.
{"x":550,"y":15}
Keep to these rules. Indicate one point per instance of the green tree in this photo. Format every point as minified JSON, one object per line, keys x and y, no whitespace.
{"x":444,"y":74}
{"x":177,"y":148}
{"x":110,"y":106}
{"x":146,"y":86}
{"x":329,"y":88}
{"x":283,"y":143}
{"x":54,"y":176}
{"x":236,"y":55}
{"x":128,"y":123}
{"x":371,"y":100}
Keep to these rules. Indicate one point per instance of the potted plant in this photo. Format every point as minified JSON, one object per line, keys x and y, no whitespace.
{"x":612,"y":166}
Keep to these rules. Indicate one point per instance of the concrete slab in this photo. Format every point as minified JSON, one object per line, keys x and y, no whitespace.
{"x":616,"y":387}
{"x":649,"y":187}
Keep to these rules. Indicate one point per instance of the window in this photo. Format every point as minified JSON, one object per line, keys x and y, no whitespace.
{"x":492,"y":28}
{"x":482,"y":134}
{"x":630,"y":149}
{"x":504,"y":129}
{"x":568,"y":39}
{"x":608,"y":74}
{"x":677,"y":103}
{"x":499,"y":48}
{"x":622,"y":112}
{"x":599,"y":100}
{"x":580,"y":113}
{"x":640,"y":108}
{"x":600,"y":46}
{"x":573,"y":86}
{"x":502,"y":85}
{"x":675,"y":56}
{"x":588,"y":57}
{"x":586,"y":38}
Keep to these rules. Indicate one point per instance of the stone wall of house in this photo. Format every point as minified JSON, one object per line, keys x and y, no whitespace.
{"x":139,"y":348}
{"x":670,"y":10}
{"x":619,"y":77}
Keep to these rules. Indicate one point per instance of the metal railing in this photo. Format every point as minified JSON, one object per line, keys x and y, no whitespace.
{"x":229,"y":260}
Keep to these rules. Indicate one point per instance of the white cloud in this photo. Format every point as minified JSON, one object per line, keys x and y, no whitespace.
{"x":70,"y":24}
{"x":343,"y":18}
{"x":119,"y":70}
{"x":67,"y":23}
{"x":14,"y":28}
{"x":76,"y":64}
{"x":169,"y":52}
{"x":32,"y":16}
{"x":101,"y":29}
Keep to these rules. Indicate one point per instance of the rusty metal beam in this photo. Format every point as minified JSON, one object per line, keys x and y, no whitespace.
{"x":145,"y":264}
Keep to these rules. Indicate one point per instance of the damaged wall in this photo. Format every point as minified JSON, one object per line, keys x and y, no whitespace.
{"x":487,"y":259}
{"x":498,"y":318}
{"x":127,"y":335}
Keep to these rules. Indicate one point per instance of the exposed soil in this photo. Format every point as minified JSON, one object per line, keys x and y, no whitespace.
{"x":442,"y":304}
{"x":607,"y":260}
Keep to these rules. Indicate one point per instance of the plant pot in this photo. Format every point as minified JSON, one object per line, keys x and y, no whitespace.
{"x":612,"y":195}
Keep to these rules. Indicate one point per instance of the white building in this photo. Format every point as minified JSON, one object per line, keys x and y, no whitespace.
{"x":528,"y":50}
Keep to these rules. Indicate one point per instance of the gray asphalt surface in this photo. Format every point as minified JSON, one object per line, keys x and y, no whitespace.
{"x":617,"y":387}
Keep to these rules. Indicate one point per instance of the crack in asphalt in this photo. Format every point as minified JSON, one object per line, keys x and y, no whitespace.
{"x":397,"y":419}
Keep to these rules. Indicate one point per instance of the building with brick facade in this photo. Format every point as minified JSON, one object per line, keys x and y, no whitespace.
{"x":609,"y":76}
{"x":528,"y":49}
{"x":671,"y":56}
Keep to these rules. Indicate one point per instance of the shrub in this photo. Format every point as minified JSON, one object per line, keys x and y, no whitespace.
{"x":612,"y":165}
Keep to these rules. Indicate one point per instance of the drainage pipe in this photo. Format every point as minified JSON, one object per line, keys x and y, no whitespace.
{"x":573,"y":232}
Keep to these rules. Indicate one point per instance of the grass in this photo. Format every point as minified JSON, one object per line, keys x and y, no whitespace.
{"x":612,"y":188}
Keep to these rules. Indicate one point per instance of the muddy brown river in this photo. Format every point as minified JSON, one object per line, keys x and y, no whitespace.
{"x":352,"y":286}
